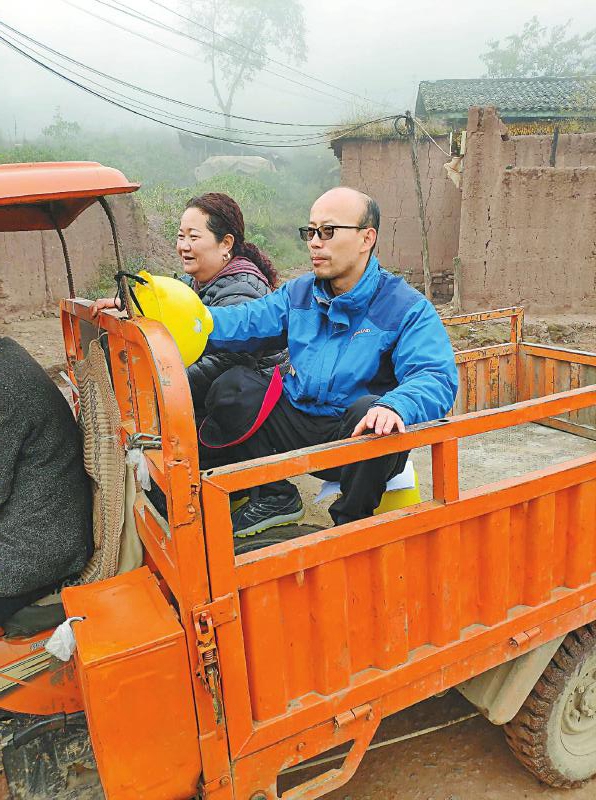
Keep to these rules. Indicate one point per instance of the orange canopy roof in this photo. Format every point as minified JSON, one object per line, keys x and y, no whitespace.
{"x":29,"y":191}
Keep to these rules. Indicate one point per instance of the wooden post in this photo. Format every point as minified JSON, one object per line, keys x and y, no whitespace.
{"x":457,"y":284}
{"x":553,"y":147}
{"x":421,"y":208}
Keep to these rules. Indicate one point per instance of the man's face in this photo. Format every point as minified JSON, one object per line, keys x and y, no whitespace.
{"x":341,"y":256}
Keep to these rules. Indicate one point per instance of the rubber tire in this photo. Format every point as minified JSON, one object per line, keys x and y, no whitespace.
{"x":532,"y":735}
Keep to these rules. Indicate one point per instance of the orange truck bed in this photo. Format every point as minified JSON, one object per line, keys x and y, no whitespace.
{"x":300,"y":647}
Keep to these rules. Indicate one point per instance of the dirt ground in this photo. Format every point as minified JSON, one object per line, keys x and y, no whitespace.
{"x":469,"y":761}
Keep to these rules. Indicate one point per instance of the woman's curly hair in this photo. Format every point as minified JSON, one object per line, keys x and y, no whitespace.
{"x":224,"y":216}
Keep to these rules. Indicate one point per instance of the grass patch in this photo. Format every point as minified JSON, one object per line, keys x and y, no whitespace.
{"x":383,"y":130}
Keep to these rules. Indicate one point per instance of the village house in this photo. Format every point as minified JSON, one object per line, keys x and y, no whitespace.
{"x":521,"y":102}
{"x":529,"y":142}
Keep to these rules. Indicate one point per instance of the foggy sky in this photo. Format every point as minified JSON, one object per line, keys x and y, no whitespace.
{"x":379,"y":48}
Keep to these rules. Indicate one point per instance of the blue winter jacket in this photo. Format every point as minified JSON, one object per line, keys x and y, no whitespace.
{"x":382,"y":337}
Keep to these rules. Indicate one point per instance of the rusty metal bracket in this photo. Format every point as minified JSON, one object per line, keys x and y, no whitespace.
{"x":353,"y":714}
{"x":221,"y":610}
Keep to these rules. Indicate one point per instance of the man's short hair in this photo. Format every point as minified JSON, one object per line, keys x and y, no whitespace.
{"x":372,"y":216}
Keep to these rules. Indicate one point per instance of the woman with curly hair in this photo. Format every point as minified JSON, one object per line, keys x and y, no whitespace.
{"x":224,"y":269}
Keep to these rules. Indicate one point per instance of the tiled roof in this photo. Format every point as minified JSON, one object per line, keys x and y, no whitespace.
{"x":518,"y":96}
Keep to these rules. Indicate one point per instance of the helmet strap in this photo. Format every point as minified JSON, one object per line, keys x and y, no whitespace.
{"x":126,"y":293}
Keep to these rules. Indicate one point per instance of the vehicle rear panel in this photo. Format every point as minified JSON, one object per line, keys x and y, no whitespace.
{"x":320,"y":637}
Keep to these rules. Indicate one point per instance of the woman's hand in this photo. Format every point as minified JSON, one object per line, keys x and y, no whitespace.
{"x":105,"y":302}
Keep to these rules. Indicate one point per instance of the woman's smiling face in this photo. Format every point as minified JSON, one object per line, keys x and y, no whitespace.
{"x":201,"y":254}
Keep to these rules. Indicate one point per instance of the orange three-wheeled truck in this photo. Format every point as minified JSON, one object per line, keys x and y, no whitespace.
{"x":205,"y":672}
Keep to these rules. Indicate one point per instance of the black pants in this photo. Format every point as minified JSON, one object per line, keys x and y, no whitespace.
{"x":10,"y":605}
{"x":286,"y":428}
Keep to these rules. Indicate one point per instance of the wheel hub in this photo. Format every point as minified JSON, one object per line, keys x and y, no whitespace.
{"x":578,"y":724}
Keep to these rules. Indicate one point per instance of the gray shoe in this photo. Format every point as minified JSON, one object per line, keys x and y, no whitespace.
{"x":266,"y":512}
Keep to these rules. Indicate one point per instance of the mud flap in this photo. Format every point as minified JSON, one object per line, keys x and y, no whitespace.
{"x":500,"y":692}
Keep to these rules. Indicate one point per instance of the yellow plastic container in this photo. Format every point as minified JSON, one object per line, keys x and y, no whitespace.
{"x":399,"y":498}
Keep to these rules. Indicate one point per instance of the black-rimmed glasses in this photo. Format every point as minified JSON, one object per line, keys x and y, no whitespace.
{"x":325,"y":231}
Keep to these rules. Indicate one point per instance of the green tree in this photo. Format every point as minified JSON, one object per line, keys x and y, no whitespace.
{"x":242,"y":33}
{"x":61,"y":129}
{"x":540,"y":51}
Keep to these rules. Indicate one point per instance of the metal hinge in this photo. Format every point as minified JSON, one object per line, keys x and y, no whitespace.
{"x":525,"y":636}
{"x":209,"y":789}
{"x":353,"y":714}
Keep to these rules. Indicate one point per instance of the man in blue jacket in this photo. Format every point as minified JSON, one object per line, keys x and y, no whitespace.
{"x":367,"y":353}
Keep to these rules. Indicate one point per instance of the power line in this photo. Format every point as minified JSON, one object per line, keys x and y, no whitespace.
{"x":9,"y":42}
{"x":168,"y":48}
{"x":163,"y":26}
{"x":14,"y":46}
{"x":244,"y":47}
{"x":147,"y":107}
{"x":155,"y":94}
{"x":116,"y":5}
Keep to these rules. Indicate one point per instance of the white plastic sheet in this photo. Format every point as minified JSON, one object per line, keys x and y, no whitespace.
{"x":405,"y":480}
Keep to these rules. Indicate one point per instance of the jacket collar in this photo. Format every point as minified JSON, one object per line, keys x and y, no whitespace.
{"x":237,"y":266}
{"x":341,"y":308}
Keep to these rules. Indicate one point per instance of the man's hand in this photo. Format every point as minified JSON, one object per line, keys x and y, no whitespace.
{"x":104,"y":302}
{"x":382,"y":420}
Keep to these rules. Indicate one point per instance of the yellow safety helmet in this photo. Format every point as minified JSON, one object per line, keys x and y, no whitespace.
{"x":179,"y":308}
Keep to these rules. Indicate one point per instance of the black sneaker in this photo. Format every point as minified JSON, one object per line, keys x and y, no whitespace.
{"x":266,"y":512}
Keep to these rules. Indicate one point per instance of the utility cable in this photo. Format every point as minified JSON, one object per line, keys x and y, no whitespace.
{"x":162,"y":26}
{"x":155,"y":94}
{"x":291,"y":137}
{"x":423,"y":129}
{"x":167,"y":48}
{"x":124,"y":107}
{"x":115,"y":5}
{"x":19,"y":49}
{"x":245,"y":47}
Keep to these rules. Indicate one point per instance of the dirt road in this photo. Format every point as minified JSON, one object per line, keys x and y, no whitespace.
{"x":469,"y":761}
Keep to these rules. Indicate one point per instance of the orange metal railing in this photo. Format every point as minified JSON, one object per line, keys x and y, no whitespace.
{"x":359,"y":621}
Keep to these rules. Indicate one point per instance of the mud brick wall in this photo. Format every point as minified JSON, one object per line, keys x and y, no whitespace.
{"x":442,"y":284}
{"x":383,"y":169}
{"x":32,"y":269}
{"x":528,"y":230}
